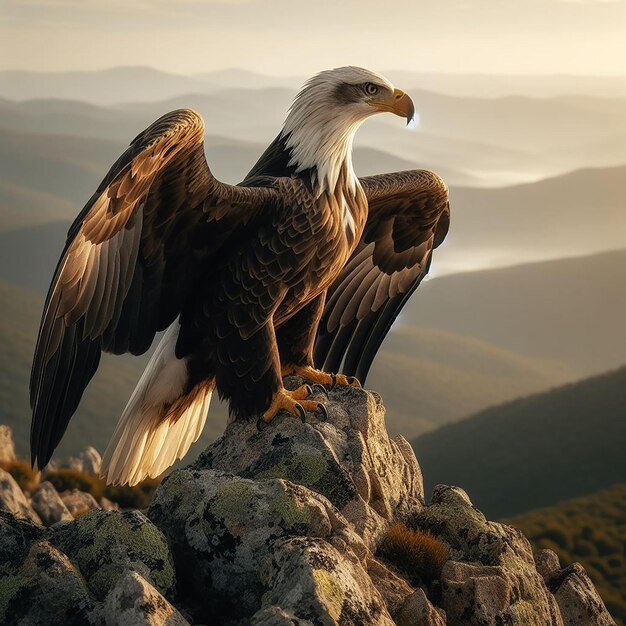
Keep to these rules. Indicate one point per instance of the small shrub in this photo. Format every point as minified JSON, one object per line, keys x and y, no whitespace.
{"x":66,"y":478}
{"x":137,"y":497}
{"x":25,"y":476}
{"x":417,"y":554}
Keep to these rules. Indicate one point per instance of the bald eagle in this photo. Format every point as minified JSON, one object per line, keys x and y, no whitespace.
{"x":301,"y":266}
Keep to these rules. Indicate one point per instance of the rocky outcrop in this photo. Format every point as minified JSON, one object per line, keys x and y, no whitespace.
{"x":135,"y":602}
{"x":13,"y":500}
{"x":283,"y":526}
{"x":79,"y":502}
{"x":7,"y":448}
{"x":577,"y":598}
{"x":48,"y":505}
{"x":68,"y":573}
{"x":89,"y":460}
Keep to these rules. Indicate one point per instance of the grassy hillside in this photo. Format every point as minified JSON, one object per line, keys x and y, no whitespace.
{"x":429,"y":378}
{"x":589,"y":530}
{"x":535,"y":451}
{"x":568,"y":310}
{"x":437,"y":360}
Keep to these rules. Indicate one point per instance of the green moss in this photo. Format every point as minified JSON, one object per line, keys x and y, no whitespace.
{"x":291,"y":512}
{"x":304,"y":469}
{"x":331,"y":591}
{"x":10,"y":586}
{"x":233,"y":501}
{"x":103,"y":543}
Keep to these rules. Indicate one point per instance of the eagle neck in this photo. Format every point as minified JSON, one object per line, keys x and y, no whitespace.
{"x":322,"y":145}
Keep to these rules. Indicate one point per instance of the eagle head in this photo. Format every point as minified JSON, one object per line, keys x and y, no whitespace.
{"x":320,"y":126}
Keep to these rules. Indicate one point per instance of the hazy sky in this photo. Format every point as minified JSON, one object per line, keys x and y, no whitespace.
{"x":296,"y":37}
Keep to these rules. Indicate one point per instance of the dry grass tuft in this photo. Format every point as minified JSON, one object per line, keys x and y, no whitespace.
{"x":25,"y":476}
{"x":417,"y":554}
{"x":137,"y":497}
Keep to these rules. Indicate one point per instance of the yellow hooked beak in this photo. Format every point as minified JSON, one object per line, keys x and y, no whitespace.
{"x":398,"y":103}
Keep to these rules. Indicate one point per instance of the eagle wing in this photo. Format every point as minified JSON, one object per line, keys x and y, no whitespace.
{"x":128,"y":264}
{"x":408,"y":217}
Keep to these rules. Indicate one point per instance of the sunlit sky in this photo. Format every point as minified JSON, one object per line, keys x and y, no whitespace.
{"x":295,"y":37}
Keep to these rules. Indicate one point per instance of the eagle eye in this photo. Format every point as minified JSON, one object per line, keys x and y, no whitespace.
{"x":371,"y":89}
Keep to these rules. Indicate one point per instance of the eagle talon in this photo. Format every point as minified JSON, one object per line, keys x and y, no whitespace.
{"x":333,"y":384}
{"x":323,"y":411}
{"x":353,"y":381}
{"x":320,"y":389}
{"x":301,"y":412}
{"x":261,"y":424}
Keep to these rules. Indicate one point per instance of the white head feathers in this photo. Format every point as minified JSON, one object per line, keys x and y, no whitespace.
{"x":322,"y":120}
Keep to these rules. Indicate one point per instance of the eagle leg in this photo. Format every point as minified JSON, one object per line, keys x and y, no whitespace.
{"x":294,"y":402}
{"x":319,"y":377}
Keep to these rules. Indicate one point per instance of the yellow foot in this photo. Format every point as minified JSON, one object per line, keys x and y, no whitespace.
{"x":293,"y":402}
{"x":319,"y":377}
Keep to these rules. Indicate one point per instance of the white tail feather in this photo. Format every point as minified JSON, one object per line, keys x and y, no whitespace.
{"x":148,"y":437}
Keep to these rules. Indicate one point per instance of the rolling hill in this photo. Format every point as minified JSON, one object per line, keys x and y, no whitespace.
{"x":487,"y":142}
{"x":570,"y":311}
{"x":46,"y":177}
{"x":536,"y":451}
{"x":437,"y":360}
{"x":108,"y":86}
{"x":589,"y":530}
{"x":103,"y":402}
{"x":126,"y":84}
{"x":428,"y":378}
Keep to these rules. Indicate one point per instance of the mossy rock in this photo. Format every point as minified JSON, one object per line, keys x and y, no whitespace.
{"x":105,"y":544}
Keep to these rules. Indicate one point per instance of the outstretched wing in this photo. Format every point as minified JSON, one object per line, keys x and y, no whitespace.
{"x":408,"y":217}
{"x":127,"y":265}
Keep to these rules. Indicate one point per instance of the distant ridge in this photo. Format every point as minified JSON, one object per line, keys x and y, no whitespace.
{"x":148,"y":83}
{"x":536,"y":451}
{"x":568,"y":310}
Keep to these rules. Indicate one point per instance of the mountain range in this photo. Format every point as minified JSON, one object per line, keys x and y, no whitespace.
{"x":127,"y":84}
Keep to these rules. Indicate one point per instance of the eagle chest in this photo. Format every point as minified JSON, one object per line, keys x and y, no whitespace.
{"x":343,"y":217}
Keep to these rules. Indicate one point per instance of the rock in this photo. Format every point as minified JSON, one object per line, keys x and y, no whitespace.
{"x":491,"y":578}
{"x":392,"y":587}
{"x":79,"y":502}
{"x":107,"y":505}
{"x":313,"y":581}
{"x":16,"y":538}
{"x":281,"y":528}
{"x":7,"y":447}
{"x":577,"y":598}
{"x":13,"y":500}
{"x":547,"y":564}
{"x":223,"y":528}
{"x":135,"y":602}
{"x":106,"y":544}
{"x":349,"y":458}
{"x":48,"y":505}
{"x":63,"y":574}
{"x":418,"y":611}
{"x":89,"y":460}
{"x":47,"y":589}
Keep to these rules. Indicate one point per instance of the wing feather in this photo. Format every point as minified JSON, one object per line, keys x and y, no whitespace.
{"x":408,"y":218}
{"x":128,"y":264}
